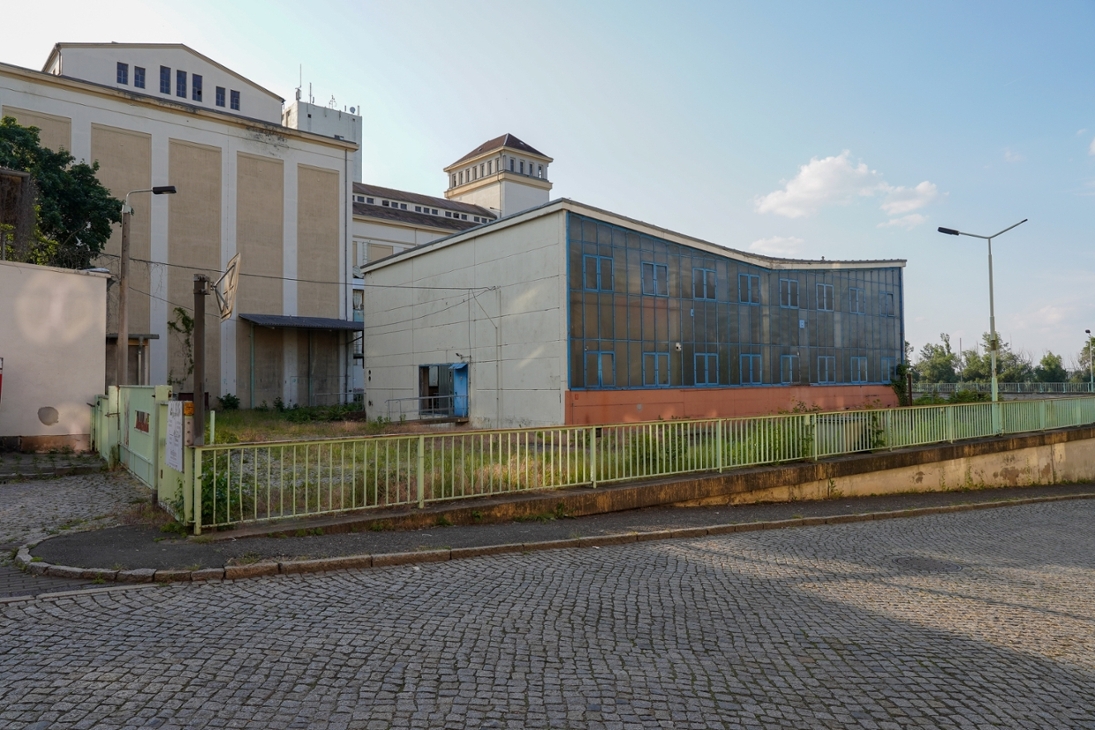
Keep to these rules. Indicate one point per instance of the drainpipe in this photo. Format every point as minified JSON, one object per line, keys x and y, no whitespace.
{"x":252,"y":388}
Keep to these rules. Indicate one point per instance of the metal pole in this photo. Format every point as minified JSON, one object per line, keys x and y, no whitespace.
{"x":992,"y":330}
{"x":200,"y":283}
{"x":121,"y":364}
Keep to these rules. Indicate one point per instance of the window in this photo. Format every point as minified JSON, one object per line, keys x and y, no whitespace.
{"x":859,"y":370}
{"x":600,"y":369}
{"x":138,"y":77}
{"x":750,"y":370}
{"x":707,"y":369}
{"x":748,"y":289}
{"x":825,"y":297}
{"x":165,"y":80}
{"x":196,"y":87}
{"x":655,"y":279}
{"x":703,"y":283}
{"x":180,"y":84}
{"x":123,"y":73}
{"x":540,"y":171}
{"x":236,"y":100}
{"x":402,"y":206}
{"x":384,"y":203}
{"x":453,"y":182}
{"x":826,"y":369}
{"x":522,"y":167}
{"x":788,"y":369}
{"x":889,"y":369}
{"x":598,"y":273}
{"x":370,"y":201}
{"x":857,"y":302}
{"x":656,"y":368}
{"x":463,"y":216}
{"x":418,"y":209}
{"x":886,"y":304}
{"x":511,"y":164}
{"x":788,"y":293}
{"x":448,"y":214}
{"x":435,"y":211}
{"x":220,"y":96}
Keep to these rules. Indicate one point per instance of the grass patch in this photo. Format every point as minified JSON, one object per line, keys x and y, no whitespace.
{"x":443,"y":521}
{"x":302,"y":423}
{"x":559,"y":513}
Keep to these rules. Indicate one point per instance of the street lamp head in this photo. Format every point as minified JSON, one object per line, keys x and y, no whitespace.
{"x":164,"y":190}
{"x":948,"y":231}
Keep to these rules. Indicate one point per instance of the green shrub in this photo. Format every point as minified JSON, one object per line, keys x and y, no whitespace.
{"x":230,"y":402}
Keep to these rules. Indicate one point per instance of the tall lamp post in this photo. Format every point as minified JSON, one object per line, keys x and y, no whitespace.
{"x":1090,"y":362}
{"x":121,"y":366}
{"x":992,"y":310}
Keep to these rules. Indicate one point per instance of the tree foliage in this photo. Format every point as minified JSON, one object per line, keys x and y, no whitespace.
{"x":1011,"y":366}
{"x":75,"y":213}
{"x":938,"y":363}
{"x":1050,"y":369}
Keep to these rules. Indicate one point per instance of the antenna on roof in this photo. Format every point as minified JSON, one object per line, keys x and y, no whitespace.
{"x":300,"y":82}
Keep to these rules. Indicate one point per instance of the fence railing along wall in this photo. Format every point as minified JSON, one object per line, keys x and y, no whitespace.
{"x":239,"y":483}
{"x":1016,"y":388}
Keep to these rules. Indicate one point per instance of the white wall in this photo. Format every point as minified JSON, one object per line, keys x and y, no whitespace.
{"x":411,"y":321}
{"x":330,"y":123}
{"x":52,"y":340}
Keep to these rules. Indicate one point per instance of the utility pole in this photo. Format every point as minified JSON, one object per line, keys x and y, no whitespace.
{"x":201,"y":289}
{"x":121,"y":365}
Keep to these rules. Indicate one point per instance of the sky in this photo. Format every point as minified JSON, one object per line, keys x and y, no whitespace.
{"x":846,"y":130}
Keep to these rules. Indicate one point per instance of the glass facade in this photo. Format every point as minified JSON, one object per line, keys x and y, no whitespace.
{"x":649,"y":313}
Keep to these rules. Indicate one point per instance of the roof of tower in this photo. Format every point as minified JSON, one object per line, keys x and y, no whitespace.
{"x":506,"y":140}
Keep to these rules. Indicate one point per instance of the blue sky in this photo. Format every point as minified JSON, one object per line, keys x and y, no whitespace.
{"x":844,"y":130}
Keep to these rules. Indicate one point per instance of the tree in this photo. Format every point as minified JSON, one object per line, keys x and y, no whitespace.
{"x":938,"y":363}
{"x":1011,"y":367}
{"x":1050,"y":369}
{"x":1082,"y":373}
{"x":75,"y":213}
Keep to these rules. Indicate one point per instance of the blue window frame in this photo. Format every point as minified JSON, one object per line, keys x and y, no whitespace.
{"x":600,"y":369}
{"x":236,"y":100}
{"x":748,"y":289}
{"x":825,"y":300}
{"x":597,"y":273}
{"x":788,"y":369}
{"x":707,"y":368}
{"x":180,"y":84}
{"x":788,"y":293}
{"x":751,"y":373}
{"x":857,"y":301}
{"x":859,"y":369}
{"x":220,"y":96}
{"x":703,"y":283}
{"x":655,"y":279}
{"x":138,"y":77}
{"x":123,"y":73}
{"x":885,"y":304}
{"x":656,"y":369}
{"x":889,"y":369}
{"x":826,"y":369}
{"x":196,"y":87}
{"x":165,"y":80}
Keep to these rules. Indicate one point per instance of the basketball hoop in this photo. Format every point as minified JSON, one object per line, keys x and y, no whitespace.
{"x":225,"y":288}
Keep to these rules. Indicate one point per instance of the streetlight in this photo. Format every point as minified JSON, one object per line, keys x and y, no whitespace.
{"x":121,"y":367}
{"x":1090,"y":361}
{"x":992,"y":311}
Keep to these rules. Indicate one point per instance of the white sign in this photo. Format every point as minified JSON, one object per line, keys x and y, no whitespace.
{"x":174,"y":456}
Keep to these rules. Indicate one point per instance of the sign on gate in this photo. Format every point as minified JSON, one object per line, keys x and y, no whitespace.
{"x":174,"y":451}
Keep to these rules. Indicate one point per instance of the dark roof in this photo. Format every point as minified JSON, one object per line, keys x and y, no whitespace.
{"x":403,"y":195}
{"x":304,"y":323}
{"x":409,"y":216}
{"x":506,"y":140}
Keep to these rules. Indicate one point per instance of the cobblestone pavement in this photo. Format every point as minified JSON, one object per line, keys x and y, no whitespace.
{"x":976,"y":619}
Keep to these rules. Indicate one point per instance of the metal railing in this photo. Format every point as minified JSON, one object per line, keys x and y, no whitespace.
{"x":237,"y":483}
{"x":1012,"y":388}
{"x":423,"y":408}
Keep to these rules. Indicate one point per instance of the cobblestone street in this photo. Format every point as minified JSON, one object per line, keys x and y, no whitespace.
{"x":977,"y":619}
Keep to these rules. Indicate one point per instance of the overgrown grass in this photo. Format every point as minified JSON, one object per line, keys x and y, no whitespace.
{"x":319,"y":422}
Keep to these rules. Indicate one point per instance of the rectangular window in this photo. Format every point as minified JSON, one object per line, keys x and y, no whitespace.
{"x":123,"y":73}
{"x":886,"y":304}
{"x":859,"y":370}
{"x":748,"y":289}
{"x":165,"y":80}
{"x":370,"y":201}
{"x":889,"y":369}
{"x":707,"y":369}
{"x":138,"y":77}
{"x":598,"y":273}
{"x":522,"y":167}
{"x":825,"y":297}
{"x":236,"y":100}
{"x":180,"y":84}
{"x":857,"y":302}
{"x":435,"y":211}
{"x":788,"y":293}
{"x":656,"y":368}
{"x":418,"y":209}
{"x":196,"y":87}
{"x":403,"y":206}
{"x":751,"y":373}
{"x":511,"y":164}
{"x":788,"y":369}
{"x":655,"y":279}
{"x":220,"y":96}
{"x":703,"y":283}
{"x":826,"y":369}
{"x":600,"y":369}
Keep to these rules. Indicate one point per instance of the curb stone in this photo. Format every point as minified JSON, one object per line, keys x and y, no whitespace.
{"x":267,"y":568}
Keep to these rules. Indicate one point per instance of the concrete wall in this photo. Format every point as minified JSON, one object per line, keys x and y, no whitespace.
{"x":51,"y":339}
{"x":409,"y":323}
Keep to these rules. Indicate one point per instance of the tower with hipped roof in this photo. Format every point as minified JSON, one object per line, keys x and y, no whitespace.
{"x":503,"y":174}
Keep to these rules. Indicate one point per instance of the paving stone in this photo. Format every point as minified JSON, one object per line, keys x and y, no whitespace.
{"x":421,"y":556}
{"x":252,"y":570}
{"x":207,"y":574}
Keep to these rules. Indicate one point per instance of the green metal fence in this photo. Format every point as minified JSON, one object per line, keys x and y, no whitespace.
{"x":238,"y":483}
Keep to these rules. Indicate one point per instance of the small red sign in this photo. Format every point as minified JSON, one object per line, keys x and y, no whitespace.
{"x":142,"y":421}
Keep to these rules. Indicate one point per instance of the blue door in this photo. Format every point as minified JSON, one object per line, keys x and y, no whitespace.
{"x":460,"y":390}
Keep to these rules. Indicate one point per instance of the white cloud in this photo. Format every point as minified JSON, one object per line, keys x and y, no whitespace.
{"x":1091,"y":149}
{"x":1010,"y":156}
{"x":832,"y":180}
{"x":837,"y":180}
{"x":790,"y":246}
{"x":906,"y":221}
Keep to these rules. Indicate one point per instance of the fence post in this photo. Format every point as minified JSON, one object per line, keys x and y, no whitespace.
{"x":950,"y":423}
{"x":718,"y":442}
{"x":593,"y":456}
{"x":817,"y":435}
{"x":196,"y":473}
{"x":1042,"y":415}
{"x":421,"y":472}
